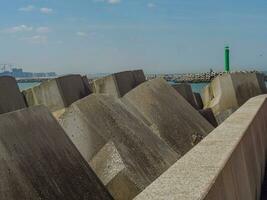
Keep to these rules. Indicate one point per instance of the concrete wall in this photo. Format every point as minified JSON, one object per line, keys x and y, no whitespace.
{"x":58,"y":93}
{"x":171,"y":117}
{"x":230,"y":91}
{"x":38,"y":161}
{"x":10,"y":97}
{"x":122,"y":150}
{"x":228,"y":164}
{"x":119,"y":84}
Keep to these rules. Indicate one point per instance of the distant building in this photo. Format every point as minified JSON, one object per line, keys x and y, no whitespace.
{"x":19,"y":73}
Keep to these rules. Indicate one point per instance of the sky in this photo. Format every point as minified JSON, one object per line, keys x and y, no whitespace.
{"x":159,"y":36}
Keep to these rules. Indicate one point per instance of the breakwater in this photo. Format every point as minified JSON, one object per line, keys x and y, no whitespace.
{"x":204,"y":77}
{"x":119,"y":136}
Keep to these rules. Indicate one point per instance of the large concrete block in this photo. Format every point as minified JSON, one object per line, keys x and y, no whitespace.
{"x":10,"y":97}
{"x":123,"y":151}
{"x":227,"y":164}
{"x":230,"y":91}
{"x":119,"y":84}
{"x":198,"y":100}
{"x":58,"y":93}
{"x":38,"y":161}
{"x":185,"y":90}
{"x":171,"y":116}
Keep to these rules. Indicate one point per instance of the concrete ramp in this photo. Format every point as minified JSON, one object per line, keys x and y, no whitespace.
{"x":171,"y":116}
{"x":119,"y":84}
{"x":10,"y":97}
{"x":38,"y":161}
{"x":58,"y":93}
{"x":123,"y":151}
{"x":228,"y":92}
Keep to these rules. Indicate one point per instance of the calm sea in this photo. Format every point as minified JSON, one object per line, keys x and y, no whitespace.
{"x":196,"y":87}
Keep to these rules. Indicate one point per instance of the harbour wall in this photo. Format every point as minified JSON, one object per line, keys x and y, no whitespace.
{"x":228,"y":164}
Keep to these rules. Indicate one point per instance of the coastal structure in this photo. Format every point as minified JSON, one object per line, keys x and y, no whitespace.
{"x":10,"y":97}
{"x":228,"y":92}
{"x":118,"y":84}
{"x":122,"y":150}
{"x":38,"y":161}
{"x":57,"y":93}
{"x":228,"y":164}
{"x":171,"y":117}
{"x":135,"y":140}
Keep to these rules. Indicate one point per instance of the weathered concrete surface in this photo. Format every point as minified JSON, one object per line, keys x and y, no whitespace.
{"x":208,"y":114}
{"x":228,"y":164}
{"x":198,"y":100}
{"x":185,"y":90}
{"x":230,"y":91}
{"x":58,"y":93}
{"x":10,"y":97}
{"x":171,"y":116}
{"x":119,"y":84}
{"x":38,"y":161}
{"x":123,"y":151}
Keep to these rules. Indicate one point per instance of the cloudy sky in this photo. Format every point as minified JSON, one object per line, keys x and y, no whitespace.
{"x":94,"y":36}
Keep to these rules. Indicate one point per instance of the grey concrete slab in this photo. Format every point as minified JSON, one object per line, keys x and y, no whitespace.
{"x":10,"y":97}
{"x":171,"y":116}
{"x":227,"y":164}
{"x":228,"y":92}
{"x":185,"y":90}
{"x":123,"y":151}
{"x":58,"y":93}
{"x":118,"y":84}
{"x":38,"y":160}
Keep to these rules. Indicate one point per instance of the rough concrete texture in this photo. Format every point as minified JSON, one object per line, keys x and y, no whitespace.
{"x":208,"y":114}
{"x":198,"y":100}
{"x":10,"y":97}
{"x":58,"y":93}
{"x":123,"y":151}
{"x":119,"y":84}
{"x":230,"y":91}
{"x":185,"y":90}
{"x":171,"y":117}
{"x":228,"y":164}
{"x":38,"y":161}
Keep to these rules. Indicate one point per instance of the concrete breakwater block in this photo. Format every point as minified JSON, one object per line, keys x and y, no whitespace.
{"x":171,"y":116}
{"x":208,"y":114}
{"x":198,"y":100}
{"x":119,"y":84}
{"x":122,"y":150}
{"x":10,"y":97}
{"x":185,"y":90}
{"x":228,"y":92}
{"x":57,"y":93}
{"x":38,"y":161}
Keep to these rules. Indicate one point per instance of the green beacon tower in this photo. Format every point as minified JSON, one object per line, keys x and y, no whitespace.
{"x":227,"y":59}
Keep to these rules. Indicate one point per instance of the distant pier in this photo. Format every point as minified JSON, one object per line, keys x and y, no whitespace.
{"x":34,"y":79}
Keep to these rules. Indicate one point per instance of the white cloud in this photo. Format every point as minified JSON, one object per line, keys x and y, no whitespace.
{"x":81,"y":34}
{"x":109,"y":1}
{"x":20,"y":28}
{"x":36,"y":39}
{"x":43,"y":29}
{"x":28,"y":8}
{"x":114,"y":1}
{"x":46,"y":10}
{"x":151,"y":5}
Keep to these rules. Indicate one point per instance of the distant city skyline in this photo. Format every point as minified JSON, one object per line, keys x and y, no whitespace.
{"x":159,"y":36}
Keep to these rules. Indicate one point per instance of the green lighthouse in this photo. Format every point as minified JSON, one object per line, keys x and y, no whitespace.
{"x":227,"y":59}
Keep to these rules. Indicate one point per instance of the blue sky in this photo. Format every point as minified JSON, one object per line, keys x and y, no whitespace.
{"x":94,"y":36}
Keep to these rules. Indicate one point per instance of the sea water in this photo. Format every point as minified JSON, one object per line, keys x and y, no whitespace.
{"x":196,"y":87}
